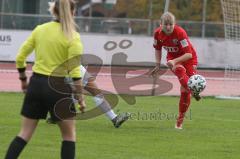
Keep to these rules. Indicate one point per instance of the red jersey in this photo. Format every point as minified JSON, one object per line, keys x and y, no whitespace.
{"x":176,"y":44}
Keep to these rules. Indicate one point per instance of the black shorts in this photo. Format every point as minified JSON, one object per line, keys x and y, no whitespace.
{"x":48,"y":94}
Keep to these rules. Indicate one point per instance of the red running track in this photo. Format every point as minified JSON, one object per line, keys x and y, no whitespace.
{"x":116,"y":82}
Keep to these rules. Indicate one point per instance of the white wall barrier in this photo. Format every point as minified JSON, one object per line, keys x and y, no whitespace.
{"x":130,"y":49}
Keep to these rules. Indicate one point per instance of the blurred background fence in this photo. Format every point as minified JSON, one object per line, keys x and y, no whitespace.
{"x":113,"y":25}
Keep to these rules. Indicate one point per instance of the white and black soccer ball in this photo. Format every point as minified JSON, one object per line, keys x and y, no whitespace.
{"x":197,"y":83}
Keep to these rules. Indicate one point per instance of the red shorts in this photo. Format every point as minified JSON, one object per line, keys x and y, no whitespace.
{"x":190,"y":68}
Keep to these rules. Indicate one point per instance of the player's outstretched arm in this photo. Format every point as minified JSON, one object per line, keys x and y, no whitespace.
{"x":155,"y":71}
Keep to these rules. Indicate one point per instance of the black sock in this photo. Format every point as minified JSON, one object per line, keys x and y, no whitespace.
{"x":15,"y":148}
{"x":68,"y":150}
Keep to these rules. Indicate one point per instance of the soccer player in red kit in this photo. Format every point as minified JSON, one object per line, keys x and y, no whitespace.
{"x":181,"y":58}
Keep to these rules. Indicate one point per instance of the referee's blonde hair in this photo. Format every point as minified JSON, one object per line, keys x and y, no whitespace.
{"x":63,"y":10}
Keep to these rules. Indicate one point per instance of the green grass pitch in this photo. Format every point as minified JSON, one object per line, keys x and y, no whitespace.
{"x":211,"y":131}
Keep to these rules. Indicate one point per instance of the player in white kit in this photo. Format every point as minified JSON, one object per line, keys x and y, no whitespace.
{"x":89,"y":84}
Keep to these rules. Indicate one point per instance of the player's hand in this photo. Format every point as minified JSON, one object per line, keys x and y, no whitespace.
{"x":24,"y":86}
{"x":171,"y":64}
{"x":154,"y":72}
{"x":24,"y":83}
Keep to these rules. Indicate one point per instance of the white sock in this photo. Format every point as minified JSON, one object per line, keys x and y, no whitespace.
{"x":103,"y":104}
{"x":110,"y":114}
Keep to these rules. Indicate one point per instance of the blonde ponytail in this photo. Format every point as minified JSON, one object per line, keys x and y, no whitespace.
{"x":66,"y":18}
{"x":63,"y":10}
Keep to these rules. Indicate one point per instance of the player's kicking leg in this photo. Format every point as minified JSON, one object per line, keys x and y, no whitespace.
{"x":90,"y":85}
{"x":104,"y":105}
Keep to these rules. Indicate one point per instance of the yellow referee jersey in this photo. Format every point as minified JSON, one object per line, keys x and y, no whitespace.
{"x":52,"y":50}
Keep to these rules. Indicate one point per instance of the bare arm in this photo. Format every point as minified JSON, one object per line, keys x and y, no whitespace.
{"x":158,"y":57}
{"x":23,"y":79}
{"x":172,"y":63}
{"x":183,"y":58}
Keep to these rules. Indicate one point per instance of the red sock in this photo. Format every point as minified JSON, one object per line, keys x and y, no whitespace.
{"x":183,"y":106}
{"x":180,"y":72}
{"x":184,"y":102}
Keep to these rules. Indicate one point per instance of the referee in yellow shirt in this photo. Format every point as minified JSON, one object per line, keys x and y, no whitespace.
{"x":54,"y":43}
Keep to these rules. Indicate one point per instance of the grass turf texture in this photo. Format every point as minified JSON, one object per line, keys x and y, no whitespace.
{"x":211,"y":130}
